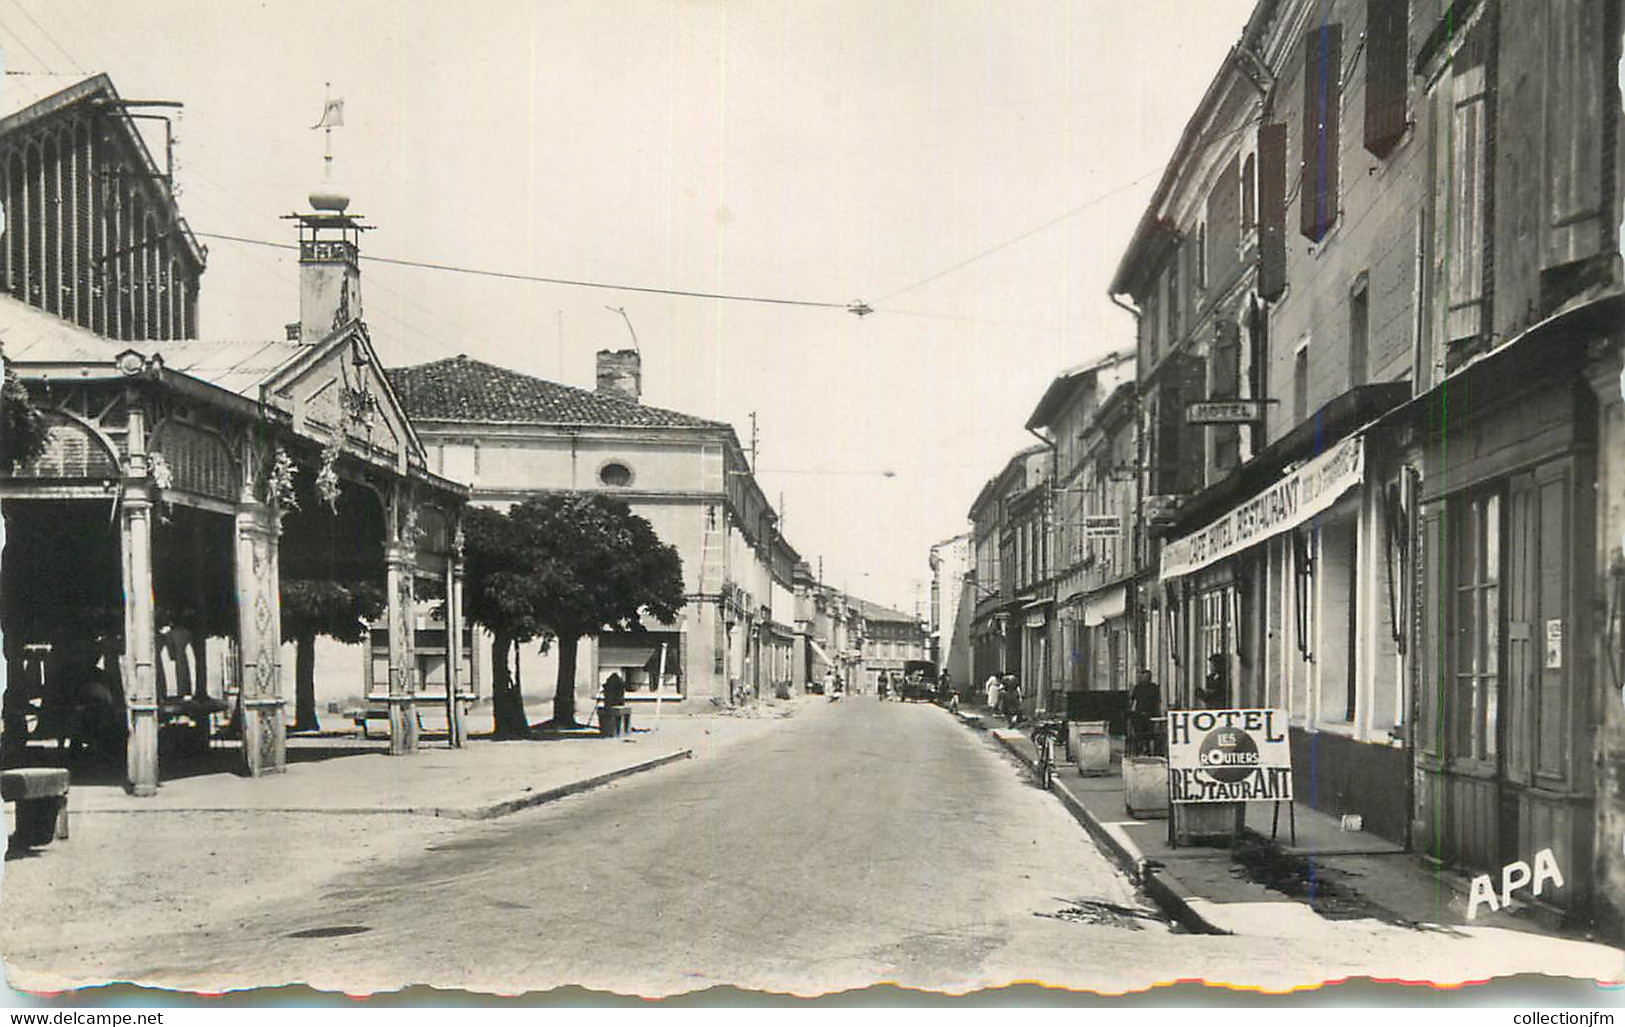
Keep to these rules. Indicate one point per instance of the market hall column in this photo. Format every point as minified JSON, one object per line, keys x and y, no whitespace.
{"x":140,"y":639}
{"x":455,"y":728}
{"x":400,"y":559}
{"x":259,"y":628}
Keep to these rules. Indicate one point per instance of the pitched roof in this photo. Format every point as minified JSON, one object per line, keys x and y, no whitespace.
{"x":34,"y":336}
{"x":876,"y":612}
{"x":472,"y":391}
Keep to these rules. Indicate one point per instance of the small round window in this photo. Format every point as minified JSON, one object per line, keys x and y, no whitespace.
{"x":615,"y":474}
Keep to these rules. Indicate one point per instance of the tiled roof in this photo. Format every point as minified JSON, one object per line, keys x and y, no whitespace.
{"x":472,"y":391}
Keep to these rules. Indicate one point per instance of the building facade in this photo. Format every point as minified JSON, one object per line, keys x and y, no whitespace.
{"x":952,"y":603}
{"x":510,"y":435}
{"x":1383,"y":265}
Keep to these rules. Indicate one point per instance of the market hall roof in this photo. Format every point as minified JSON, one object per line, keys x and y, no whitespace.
{"x":473,"y":392}
{"x":297,"y":383}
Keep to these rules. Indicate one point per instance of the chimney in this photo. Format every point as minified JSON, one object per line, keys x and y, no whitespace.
{"x":620,"y":372}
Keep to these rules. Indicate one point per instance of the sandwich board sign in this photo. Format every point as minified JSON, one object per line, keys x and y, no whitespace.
{"x":1229,"y":756}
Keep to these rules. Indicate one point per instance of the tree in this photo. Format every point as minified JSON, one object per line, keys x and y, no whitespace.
{"x":311,"y":608}
{"x":23,"y":431}
{"x":496,"y":596}
{"x":565,"y":565}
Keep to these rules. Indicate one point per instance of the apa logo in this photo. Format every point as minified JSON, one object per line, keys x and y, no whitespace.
{"x":1514,"y":876}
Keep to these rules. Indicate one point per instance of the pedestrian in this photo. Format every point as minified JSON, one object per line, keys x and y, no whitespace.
{"x":1215,"y":691}
{"x":1012,"y":698}
{"x":1144,"y":705}
{"x":992,"y":688}
{"x":881,"y":686}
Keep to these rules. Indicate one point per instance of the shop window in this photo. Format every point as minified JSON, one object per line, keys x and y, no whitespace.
{"x":1477,"y":622}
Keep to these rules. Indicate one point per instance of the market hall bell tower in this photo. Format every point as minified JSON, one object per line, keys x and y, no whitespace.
{"x":329,"y":265}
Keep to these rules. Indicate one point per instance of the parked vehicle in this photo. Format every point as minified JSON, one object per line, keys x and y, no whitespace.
{"x":919,"y":681}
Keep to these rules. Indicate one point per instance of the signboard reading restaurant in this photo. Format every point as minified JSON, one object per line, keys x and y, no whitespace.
{"x":1229,"y":756}
{"x":1285,"y":505}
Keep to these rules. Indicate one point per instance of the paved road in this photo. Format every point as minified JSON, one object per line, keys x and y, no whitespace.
{"x":858,"y":842}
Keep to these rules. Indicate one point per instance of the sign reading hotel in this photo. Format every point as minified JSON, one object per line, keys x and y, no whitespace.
{"x":1284,"y":505}
{"x":1224,"y":411}
{"x":1103,"y":526}
{"x":1228,"y":755}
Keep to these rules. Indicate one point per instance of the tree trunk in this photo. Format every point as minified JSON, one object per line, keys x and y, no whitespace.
{"x":304,"y":684}
{"x":508,"y":718}
{"x":564,"y":695}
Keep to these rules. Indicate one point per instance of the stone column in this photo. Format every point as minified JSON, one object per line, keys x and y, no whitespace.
{"x":454,"y":646}
{"x":140,"y":640}
{"x":399,"y":558}
{"x":259,"y":638}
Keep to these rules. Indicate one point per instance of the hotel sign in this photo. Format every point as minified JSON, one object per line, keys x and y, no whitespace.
{"x":1225,"y":411}
{"x":1103,"y":526}
{"x":1283,"y":506}
{"x":1228,"y":756}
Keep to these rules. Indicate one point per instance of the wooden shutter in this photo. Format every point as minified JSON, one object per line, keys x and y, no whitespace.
{"x":1578,"y":79}
{"x":1272,"y":210}
{"x":1432,"y":666}
{"x":1525,"y":641}
{"x":1465,"y":223}
{"x":1386,"y":74}
{"x":1225,"y":377}
{"x":1317,"y":192}
{"x":1554,"y":740}
{"x":1224,"y":225}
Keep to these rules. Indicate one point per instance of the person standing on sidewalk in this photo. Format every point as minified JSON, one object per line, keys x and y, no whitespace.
{"x":993,"y":688}
{"x":1144,"y":705}
{"x":1012,"y":699}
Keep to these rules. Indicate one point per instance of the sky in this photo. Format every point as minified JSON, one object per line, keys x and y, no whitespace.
{"x":972,"y":170}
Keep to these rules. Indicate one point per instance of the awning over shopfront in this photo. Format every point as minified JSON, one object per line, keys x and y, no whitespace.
{"x":626,"y":654}
{"x":1291,"y":501}
{"x":818,"y":651}
{"x":1103,"y":606}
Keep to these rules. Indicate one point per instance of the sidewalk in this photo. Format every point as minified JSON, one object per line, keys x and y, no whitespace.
{"x":482,"y":780}
{"x":1257,"y":887}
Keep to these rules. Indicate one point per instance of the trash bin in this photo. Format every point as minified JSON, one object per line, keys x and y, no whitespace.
{"x":1092,"y":748}
{"x":1145,"y":786}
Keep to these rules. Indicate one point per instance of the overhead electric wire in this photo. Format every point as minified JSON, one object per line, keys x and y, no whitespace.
{"x":46,"y":33}
{"x":1051,"y":223}
{"x":44,"y":65}
{"x":545,"y":280}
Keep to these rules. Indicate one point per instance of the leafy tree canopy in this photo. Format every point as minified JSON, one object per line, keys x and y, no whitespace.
{"x":329,"y":608}
{"x":22,"y":426}
{"x":569,"y":564}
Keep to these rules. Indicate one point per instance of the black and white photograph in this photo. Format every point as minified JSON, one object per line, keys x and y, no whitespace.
{"x":924,"y":501}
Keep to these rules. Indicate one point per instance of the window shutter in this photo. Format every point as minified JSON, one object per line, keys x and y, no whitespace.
{"x":1385,"y":73}
{"x":1465,"y":252}
{"x":1223,"y":225}
{"x":1431,"y":666}
{"x":1577,"y":80}
{"x":1317,"y":193}
{"x":1226,"y":364}
{"x":1272,"y":210}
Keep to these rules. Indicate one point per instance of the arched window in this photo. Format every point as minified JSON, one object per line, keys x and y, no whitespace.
{"x":615,"y":474}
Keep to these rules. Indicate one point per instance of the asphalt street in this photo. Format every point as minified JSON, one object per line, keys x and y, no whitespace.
{"x":857,"y":842}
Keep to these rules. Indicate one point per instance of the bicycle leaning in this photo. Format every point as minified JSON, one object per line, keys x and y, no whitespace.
{"x":1046,"y":731}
